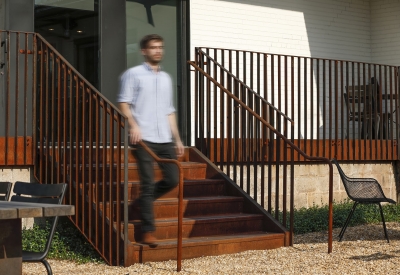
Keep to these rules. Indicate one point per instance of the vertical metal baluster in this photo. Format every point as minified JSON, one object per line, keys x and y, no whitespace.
{"x":222,"y":114}
{"x":7,"y":116}
{"x":65,"y":120}
{"x":47,"y":104}
{"x":342,"y":104}
{"x":98,"y":162}
{"x":215,"y":110}
{"x":336,"y":119}
{"x":88,"y":91}
{"x":299,"y":104}
{"x":118,"y":236}
{"x":257,"y":131}
{"x":330,"y":107}
{"x":384,"y":128}
{"x":17,"y":53}
{"x":77,"y":149}
{"x":364,"y":111}
{"x":358,"y":104}
{"x":236,"y":121}
{"x":110,"y":189}
{"x":230,"y":113}
{"x":265,"y":137}
{"x":391,"y":72}
{"x":208,"y":108}
{"x":196,"y":100}
{"x":318,"y":108}
{"x":348,"y":120}
{"x":104,"y":174}
{"x":59,"y":121}
{"x":26,"y":64}
{"x":83,"y":156}
{"x":305,"y":104}
{"x":242,"y":135}
{"x":41,"y":103}
{"x":324,"y":108}
{"x":312,"y":107}
{"x":72,"y":107}
{"x":34,"y":105}
{"x":396,"y":95}
{"x":53,"y":121}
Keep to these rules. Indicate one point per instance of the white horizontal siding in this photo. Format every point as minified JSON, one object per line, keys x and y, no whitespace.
{"x":385,"y":31}
{"x":318,"y":28}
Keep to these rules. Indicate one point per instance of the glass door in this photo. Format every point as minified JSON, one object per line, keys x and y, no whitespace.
{"x":153,"y":17}
{"x":72,"y":28}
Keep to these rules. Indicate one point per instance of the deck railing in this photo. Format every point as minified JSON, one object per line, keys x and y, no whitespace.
{"x":16,"y":89}
{"x":249,"y":139}
{"x":312,"y":91}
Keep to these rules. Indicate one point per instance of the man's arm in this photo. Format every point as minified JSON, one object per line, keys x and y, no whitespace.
{"x":175,"y":134}
{"x":134,"y":131}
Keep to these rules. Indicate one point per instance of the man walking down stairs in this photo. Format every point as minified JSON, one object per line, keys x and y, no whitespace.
{"x":146,"y":98}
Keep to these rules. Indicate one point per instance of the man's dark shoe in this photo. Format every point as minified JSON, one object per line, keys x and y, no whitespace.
{"x":148,"y":238}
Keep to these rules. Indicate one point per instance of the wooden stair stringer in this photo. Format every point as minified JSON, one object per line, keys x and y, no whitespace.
{"x":232,"y":189}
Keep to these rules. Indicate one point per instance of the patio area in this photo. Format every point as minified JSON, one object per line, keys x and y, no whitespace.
{"x":364,"y":250}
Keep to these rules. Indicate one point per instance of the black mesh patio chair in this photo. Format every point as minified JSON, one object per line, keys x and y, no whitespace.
{"x":5,"y":188}
{"x":40,"y":193}
{"x":362,"y":191}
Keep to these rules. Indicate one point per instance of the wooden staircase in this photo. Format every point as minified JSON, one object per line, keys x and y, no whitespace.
{"x":219,"y":217}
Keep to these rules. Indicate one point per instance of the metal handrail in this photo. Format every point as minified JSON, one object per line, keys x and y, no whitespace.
{"x":201,"y":52}
{"x":320,"y":159}
{"x":180,"y":199}
{"x":70,"y":99}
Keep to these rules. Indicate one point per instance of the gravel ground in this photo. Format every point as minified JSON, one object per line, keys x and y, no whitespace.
{"x":364,"y":250}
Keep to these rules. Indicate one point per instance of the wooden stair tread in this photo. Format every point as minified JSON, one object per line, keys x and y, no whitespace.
{"x":185,"y":182}
{"x":195,"y":241}
{"x":134,"y":165}
{"x":189,"y":199}
{"x":199,"y":219}
{"x":198,"y":199}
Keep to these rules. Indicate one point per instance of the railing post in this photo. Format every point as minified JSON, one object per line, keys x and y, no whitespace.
{"x":126,"y":151}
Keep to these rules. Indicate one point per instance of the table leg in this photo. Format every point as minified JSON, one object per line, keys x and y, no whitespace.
{"x":10,"y":247}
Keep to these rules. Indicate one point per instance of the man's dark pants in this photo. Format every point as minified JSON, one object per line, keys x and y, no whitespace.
{"x":150,"y":191}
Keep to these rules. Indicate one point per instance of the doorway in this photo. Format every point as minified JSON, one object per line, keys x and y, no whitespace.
{"x":72,"y":28}
{"x":147,"y":17}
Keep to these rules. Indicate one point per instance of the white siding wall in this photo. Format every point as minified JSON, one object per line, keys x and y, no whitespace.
{"x":385,"y":31}
{"x":320,"y":28}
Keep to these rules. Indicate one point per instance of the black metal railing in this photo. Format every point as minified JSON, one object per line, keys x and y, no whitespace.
{"x":249,"y":139}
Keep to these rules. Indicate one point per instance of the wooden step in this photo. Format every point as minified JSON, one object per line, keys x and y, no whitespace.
{"x":192,"y":188}
{"x":191,"y":171}
{"x":192,"y":207}
{"x":201,"y":226}
{"x":201,"y":246}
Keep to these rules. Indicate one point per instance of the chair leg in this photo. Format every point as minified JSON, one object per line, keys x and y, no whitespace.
{"x":384,"y":224}
{"x":347,"y":221}
{"x":47,"y":265}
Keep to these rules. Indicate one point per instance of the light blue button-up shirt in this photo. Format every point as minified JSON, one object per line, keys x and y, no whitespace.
{"x":149,"y":95}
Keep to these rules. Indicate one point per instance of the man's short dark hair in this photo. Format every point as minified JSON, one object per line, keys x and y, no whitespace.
{"x":145,"y":40}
